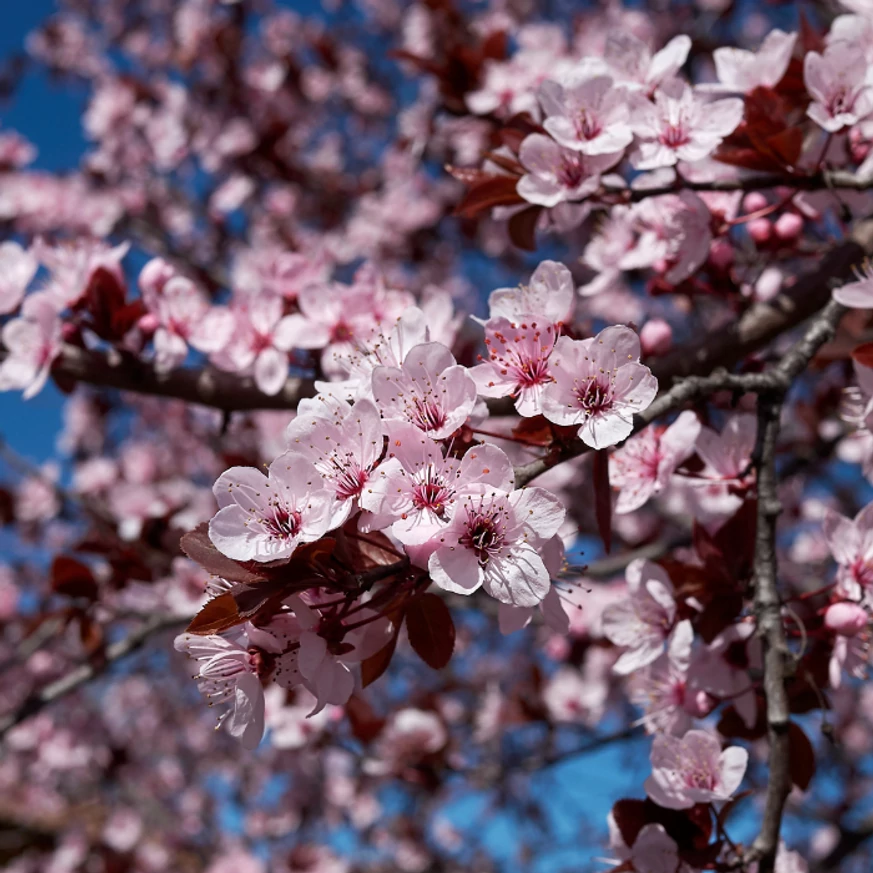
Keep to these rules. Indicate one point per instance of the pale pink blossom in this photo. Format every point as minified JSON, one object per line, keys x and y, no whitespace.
{"x":228,"y":674}
{"x":588,"y":115}
{"x":517,"y":364}
{"x":576,"y":696}
{"x":555,"y":174}
{"x":694,"y":769}
{"x":264,"y":518}
{"x":409,"y":736}
{"x":728,"y":454}
{"x":494,"y":542}
{"x":837,"y":82}
{"x":342,"y":444}
{"x":642,"y":623}
{"x":633,"y":65}
{"x":17,"y":267}
{"x":549,"y":294}
{"x":858,"y":294}
{"x":644,"y":465}
{"x":846,"y":618}
{"x":851,"y":544}
{"x":72,"y":266}
{"x":254,"y":345}
{"x":599,"y":384}
{"x":429,"y":390}
{"x":679,"y":126}
{"x":32,"y":343}
{"x":415,"y":490}
{"x":740,"y":71}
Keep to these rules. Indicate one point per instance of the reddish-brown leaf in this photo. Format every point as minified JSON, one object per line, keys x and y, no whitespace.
{"x":603,"y":498}
{"x":801,"y":762}
{"x":73,"y":578}
{"x":198,"y":547}
{"x":631,"y":816}
{"x":485,"y":194}
{"x":366,"y":725}
{"x":431,"y":630}
{"x":219,"y":614}
{"x":522,"y":228}
{"x":863,"y":355}
{"x":374,"y":666}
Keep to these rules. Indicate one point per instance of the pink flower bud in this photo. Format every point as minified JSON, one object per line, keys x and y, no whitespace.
{"x":721,"y":254}
{"x":154,"y":275}
{"x":754,"y":201}
{"x":846,"y":618}
{"x":148,"y":323}
{"x":788,"y":226}
{"x":69,"y":332}
{"x":656,"y":337}
{"x":768,"y":285}
{"x":699,"y":703}
{"x":759,"y":229}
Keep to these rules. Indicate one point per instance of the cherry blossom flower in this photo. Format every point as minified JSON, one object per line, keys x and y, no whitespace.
{"x":599,"y":384}
{"x":839,"y":88}
{"x":32,"y":343}
{"x":587,"y":115}
{"x":264,"y":518}
{"x":184,"y":315}
{"x":678,"y":126}
{"x":740,"y":71}
{"x":342,"y":443}
{"x":493,"y":542}
{"x":633,"y":65}
{"x":643,"y":622}
{"x":517,"y":363}
{"x":17,"y":267}
{"x":858,"y":294}
{"x":550,"y":295}
{"x":415,"y":489}
{"x":694,"y":769}
{"x":228,"y":673}
{"x":73,"y":265}
{"x":429,"y":389}
{"x":644,"y":465}
{"x":851,"y":544}
{"x":556,"y":174}
{"x":254,"y":345}
{"x":728,"y":454}
{"x":409,"y":736}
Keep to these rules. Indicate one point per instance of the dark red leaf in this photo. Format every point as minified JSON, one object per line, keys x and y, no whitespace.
{"x":219,"y":614}
{"x":631,"y":816}
{"x":366,"y":725}
{"x":863,"y":355}
{"x":522,"y":228}
{"x":801,"y":763}
{"x":431,"y":630}
{"x":535,"y":431}
{"x":603,"y":498}
{"x":198,"y":547}
{"x":485,"y":194}
{"x":374,"y":666}
{"x":732,"y":725}
{"x":73,"y":578}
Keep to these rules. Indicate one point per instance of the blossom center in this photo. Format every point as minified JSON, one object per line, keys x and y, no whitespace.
{"x":283,"y":524}
{"x":594,"y":397}
{"x":427,"y":414}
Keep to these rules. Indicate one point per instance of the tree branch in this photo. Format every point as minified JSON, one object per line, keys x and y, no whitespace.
{"x":85,"y":672}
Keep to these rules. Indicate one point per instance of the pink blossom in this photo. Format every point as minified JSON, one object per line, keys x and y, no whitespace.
{"x":851,"y":544}
{"x":858,"y":294}
{"x":678,"y":126}
{"x":32,"y":343}
{"x":228,"y":673}
{"x":642,"y":623}
{"x":837,"y":83}
{"x":850,"y":655}
{"x":846,"y":618}
{"x":429,"y":389}
{"x":494,"y":541}
{"x":694,"y":769}
{"x":17,"y":267}
{"x":264,"y":518}
{"x":633,"y":65}
{"x":576,"y":697}
{"x":72,"y":266}
{"x":184,"y":314}
{"x":255,"y":345}
{"x":415,"y":490}
{"x":728,"y":455}
{"x":740,"y":71}
{"x":342,"y":444}
{"x":587,"y":115}
{"x":409,"y":736}
{"x":517,"y":364}
{"x":556,"y":174}
{"x":550,"y":294}
{"x":644,"y":465}
{"x":599,"y":384}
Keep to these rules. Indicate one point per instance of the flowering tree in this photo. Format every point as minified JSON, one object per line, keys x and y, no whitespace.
{"x":454,"y":390}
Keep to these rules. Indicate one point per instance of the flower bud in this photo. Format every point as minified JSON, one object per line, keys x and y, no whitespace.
{"x":769,"y":284}
{"x":759,"y":229}
{"x":148,"y":323}
{"x":846,"y":618}
{"x":788,"y":226}
{"x":754,"y":201}
{"x":656,"y":337}
{"x":721,"y":254}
